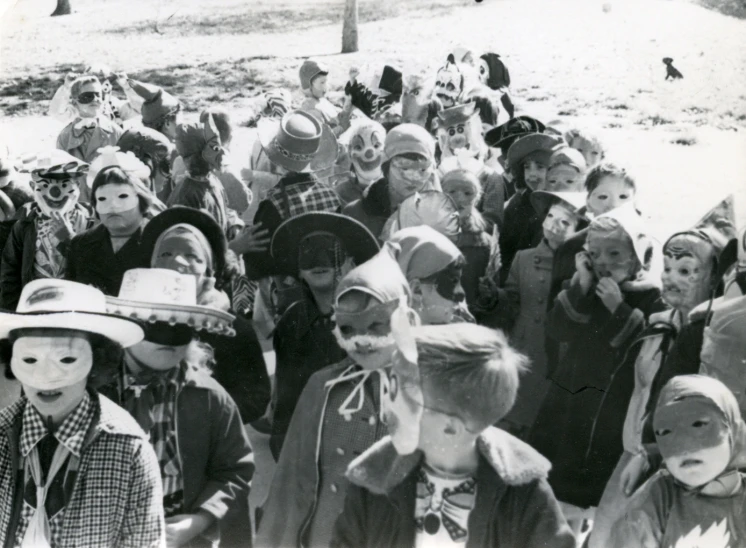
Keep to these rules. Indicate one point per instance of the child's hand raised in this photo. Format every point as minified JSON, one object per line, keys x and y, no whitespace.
{"x":609,"y":293}
{"x":487,"y":294}
{"x":61,"y":226}
{"x":584,"y":270}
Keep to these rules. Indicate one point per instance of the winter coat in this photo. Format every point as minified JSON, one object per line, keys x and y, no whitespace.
{"x":478,"y":242}
{"x":373,"y":209}
{"x":514,"y":507}
{"x":582,"y":442}
{"x":117,"y":499}
{"x":216,"y":460}
{"x":84,"y":143}
{"x":91,"y":259}
{"x":318,"y":448}
{"x":208,"y":195}
{"x":521,"y":228}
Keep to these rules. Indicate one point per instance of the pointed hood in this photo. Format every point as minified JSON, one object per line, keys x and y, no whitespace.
{"x":158,"y":103}
{"x":380,"y":277}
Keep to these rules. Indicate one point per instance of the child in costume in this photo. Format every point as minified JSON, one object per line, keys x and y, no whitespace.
{"x":364,"y":141}
{"x":528,"y":162}
{"x":313,"y":82}
{"x":588,"y":145}
{"x":317,"y":248}
{"x":91,"y":129}
{"x":494,"y":74}
{"x":520,"y":307}
{"x":383,"y":92}
{"x":39,"y":241}
{"x":458,"y":84}
{"x":418,"y":103}
{"x":154,"y":150}
{"x":444,"y":476}
{"x":689,"y":278}
{"x":76,"y":470}
{"x":460,"y":135}
{"x":700,"y":498}
{"x":160,"y":110}
{"x":408,"y":167}
{"x":433,"y":266}
{"x":566,"y":172}
{"x":338,"y":413}
{"x":598,"y":316}
{"x":192,"y":423}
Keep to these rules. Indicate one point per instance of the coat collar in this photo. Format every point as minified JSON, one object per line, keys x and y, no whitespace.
{"x":381,"y":469}
{"x":376,"y":201}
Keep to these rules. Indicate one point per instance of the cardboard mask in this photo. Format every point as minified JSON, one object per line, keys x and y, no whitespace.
{"x":50,"y":363}
{"x":366,"y":150}
{"x":366,"y":335}
{"x":459,"y":129}
{"x":56,"y":195}
{"x":449,"y":83}
{"x":688,"y":263}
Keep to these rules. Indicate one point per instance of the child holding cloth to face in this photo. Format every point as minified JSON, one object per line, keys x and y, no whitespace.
{"x":699,"y":498}
{"x":596,"y":317}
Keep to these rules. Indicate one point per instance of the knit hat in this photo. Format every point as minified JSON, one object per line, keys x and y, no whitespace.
{"x":408,"y":138}
{"x":463,"y":175}
{"x":431,"y":208}
{"x":422,"y":251}
{"x":158,"y":103}
{"x":310,"y":69}
{"x":529,"y":144}
{"x":564,"y":155}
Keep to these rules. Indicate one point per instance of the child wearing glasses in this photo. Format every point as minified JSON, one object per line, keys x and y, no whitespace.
{"x":91,"y":129}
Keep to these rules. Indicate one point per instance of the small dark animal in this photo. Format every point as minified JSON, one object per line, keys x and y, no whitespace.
{"x":671,"y":71}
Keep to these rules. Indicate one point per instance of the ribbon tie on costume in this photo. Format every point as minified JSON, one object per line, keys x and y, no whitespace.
{"x":38,"y":532}
{"x":84,"y":125}
{"x":347,"y":409}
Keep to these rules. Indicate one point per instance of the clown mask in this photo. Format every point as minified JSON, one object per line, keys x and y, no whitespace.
{"x":366,"y":335}
{"x":563,"y":178}
{"x":366,"y":151}
{"x":687,"y":271}
{"x":403,"y":404}
{"x":559,"y":224}
{"x":694,"y":440}
{"x":118,"y":207}
{"x":612,"y":254}
{"x":213,"y":151}
{"x":56,"y":193}
{"x":449,"y":83}
{"x":53,"y":371}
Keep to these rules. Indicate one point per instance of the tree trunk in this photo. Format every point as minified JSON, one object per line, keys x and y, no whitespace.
{"x":63,"y":8}
{"x":349,"y":27}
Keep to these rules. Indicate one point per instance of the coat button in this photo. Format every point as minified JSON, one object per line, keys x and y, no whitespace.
{"x":340,"y":451}
{"x":372,"y":420}
{"x":542,"y":278}
{"x":334,"y":488}
{"x":537,"y":260}
{"x":348,"y":417}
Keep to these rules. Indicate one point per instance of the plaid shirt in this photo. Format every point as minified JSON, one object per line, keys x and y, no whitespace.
{"x":302,"y":197}
{"x":152,"y":402}
{"x":71,"y":434}
{"x":116,"y":499}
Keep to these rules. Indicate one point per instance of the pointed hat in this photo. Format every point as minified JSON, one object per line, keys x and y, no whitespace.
{"x":158,"y":103}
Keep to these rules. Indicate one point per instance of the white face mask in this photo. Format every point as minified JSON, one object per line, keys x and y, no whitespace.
{"x":369,"y":351}
{"x":115,"y":198}
{"x":51,"y":363}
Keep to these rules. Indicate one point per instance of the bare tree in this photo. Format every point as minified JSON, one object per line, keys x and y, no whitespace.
{"x":63,"y":8}
{"x":349,"y":27}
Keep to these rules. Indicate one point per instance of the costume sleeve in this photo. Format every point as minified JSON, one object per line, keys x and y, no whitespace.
{"x":349,"y":530}
{"x":143,"y":521}
{"x":235,"y":190}
{"x":643,"y":523}
{"x":627,"y":321}
{"x":570,"y":314}
{"x":538,"y":519}
{"x":231,"y":462}
{"x":11,"y":266}
{"x":293,"y":487}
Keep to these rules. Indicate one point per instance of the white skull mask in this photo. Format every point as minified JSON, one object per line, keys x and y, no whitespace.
{"x":366,"y":151}
{"x":449,"y":83}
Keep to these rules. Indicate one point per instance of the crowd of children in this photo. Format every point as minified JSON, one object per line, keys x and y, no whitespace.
{"x":478,"y":341}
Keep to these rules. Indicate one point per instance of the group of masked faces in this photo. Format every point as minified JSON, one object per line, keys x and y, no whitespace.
{"x":90,"y":100}
{"x":118,"y":207}
{"x":407,"y":176}
{"x":687,"y":275}
{"x":612,"y":254}
{"x":591,"y":150}
{"x":563,"y":178}
{"x":321,"y":258}
{"x":559,"y":224}
{"x":610,"y":193}
{"x":53,"y":369}
{"x":363,"y":328}
{"x":694,"y":440}
{"x":441,"y":295}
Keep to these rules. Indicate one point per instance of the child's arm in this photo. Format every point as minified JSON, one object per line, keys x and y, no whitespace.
{"x":626,"y":322}
{"x":571,"y":312}
{"x":350,"y":530}
{"x":643,"y":524}
{"x":498,"y":307}
{"x":540,"y":521}
{"x":59,"y":107}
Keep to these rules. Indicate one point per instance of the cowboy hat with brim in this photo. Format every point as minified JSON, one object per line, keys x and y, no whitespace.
{"x":512,"y":130}
{"x":299,"y":142}
{"x":151,"y":295}
{"x":542,"y":200}
{"x":60,"y":304}
{"x":528,"y":144}
{"x":356,"y":239}
{"x":200,"y":220}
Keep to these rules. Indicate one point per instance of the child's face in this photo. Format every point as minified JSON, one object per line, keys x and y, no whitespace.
{"x":559,"y":225}
{"x":160,"y":357}
{"x":563,"y":178}
{"x":694,"y":440}
{"x":463,"y":194}
{"x":591,"y":150}
{"x":612,"y":255}
{"x":685,"y":280}
{"x":90,"y":100}
{"x":610,"y":193}
{"x":440,"y":297}
{"x":318,"y":86}
{"x":534,"y":174}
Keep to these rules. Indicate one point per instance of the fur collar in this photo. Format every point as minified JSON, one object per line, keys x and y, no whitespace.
{"x":380,"y":469}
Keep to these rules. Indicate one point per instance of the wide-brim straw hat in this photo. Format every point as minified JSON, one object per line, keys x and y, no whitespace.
{"x":299,"y":142}
{"x":60,"y":304}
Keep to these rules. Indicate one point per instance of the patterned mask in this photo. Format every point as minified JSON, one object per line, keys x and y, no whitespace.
{"x":449,"y":83}
{"x":57,"y":195}
{"x":366,"y":150}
